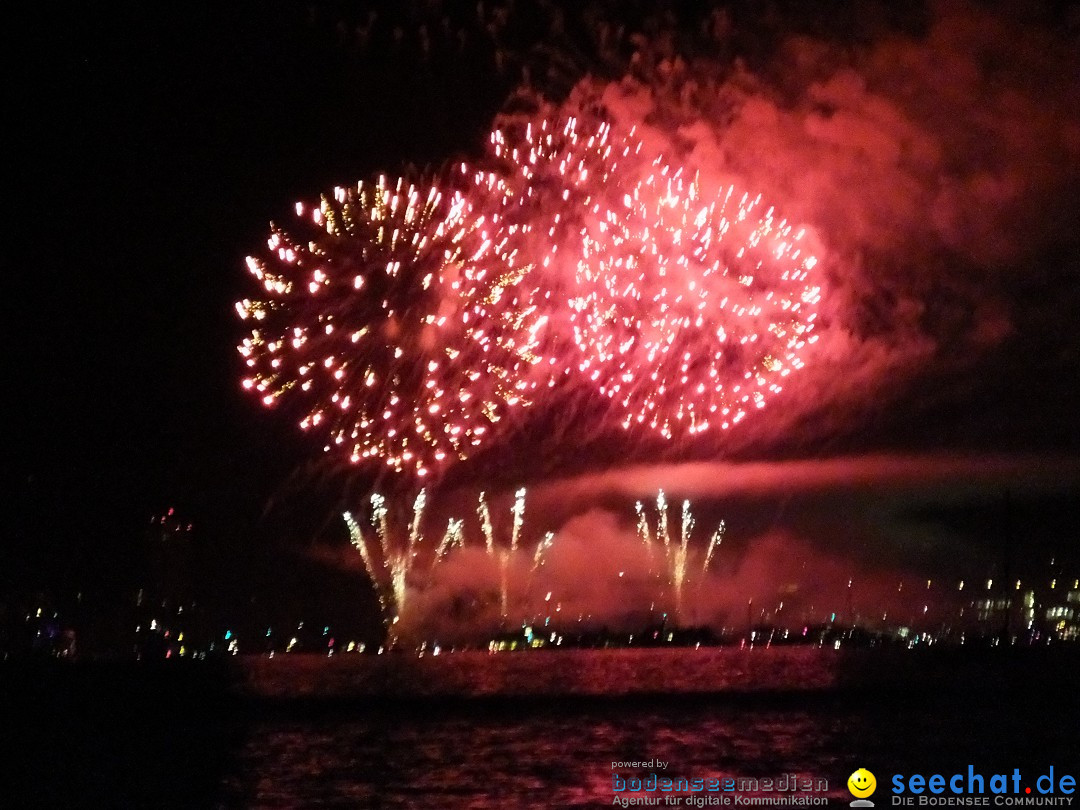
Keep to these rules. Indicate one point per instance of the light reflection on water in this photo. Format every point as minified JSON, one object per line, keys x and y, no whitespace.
{"x":546,"y":750}
{"x":569,"y":672}
{"x":526,"y":759}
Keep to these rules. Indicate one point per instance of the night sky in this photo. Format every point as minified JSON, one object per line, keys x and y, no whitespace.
{"x":152,"y":147}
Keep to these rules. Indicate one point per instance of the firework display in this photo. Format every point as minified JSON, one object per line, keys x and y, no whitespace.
{"x":547,"y":180}
{"x":691,"y":308}
{"x":675,"y":553}
{"x":506,"y":551}
{"x":415,"y":321}
{"x":400,"y":563}
{"x":389,"y":563}
{"x":395,"y":556}
{"x":375,"y":317}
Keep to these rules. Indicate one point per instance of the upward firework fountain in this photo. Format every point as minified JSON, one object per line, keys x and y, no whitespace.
{"x":506,"y":553}
{"x":390,"y":561}
{"x":392,"y":558}
{"x":675,"y":554}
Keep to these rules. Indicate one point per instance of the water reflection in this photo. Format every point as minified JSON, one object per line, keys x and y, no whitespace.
{"x":527,"y":759}
{"x":543,"y":731}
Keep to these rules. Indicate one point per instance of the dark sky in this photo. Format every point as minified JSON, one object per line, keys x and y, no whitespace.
{"x":152,"y":147}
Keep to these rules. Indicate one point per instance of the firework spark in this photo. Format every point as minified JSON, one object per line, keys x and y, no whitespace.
{"x":505,"y":552}
{"x":545,"y":543}
{"x":544,"y":178}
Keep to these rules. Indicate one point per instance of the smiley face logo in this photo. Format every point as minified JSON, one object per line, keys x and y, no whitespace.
{"x":861,"y":783}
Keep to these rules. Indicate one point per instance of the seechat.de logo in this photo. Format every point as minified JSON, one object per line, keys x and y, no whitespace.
{"x":862,"y":784}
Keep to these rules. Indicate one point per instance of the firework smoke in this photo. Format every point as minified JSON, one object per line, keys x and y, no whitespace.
{"x":624,"y":246}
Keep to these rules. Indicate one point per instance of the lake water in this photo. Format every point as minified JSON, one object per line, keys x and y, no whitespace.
{"x":529,"y":730}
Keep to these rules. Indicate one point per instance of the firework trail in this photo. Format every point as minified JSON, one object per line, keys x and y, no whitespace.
{"x":676,"y":554}
{"x":356,"y":536}
{"x":376,"y":319}
{"x":678,"y":557}
{"x":545,"y":543}
{"x":484,"y":513}
{"x":454,"y":536}
{"x":505,"y":553}
{"x":662,"y":522}
{"x":518,"y":511}
{"x":714,"y":542}
{"x":392,"y":558}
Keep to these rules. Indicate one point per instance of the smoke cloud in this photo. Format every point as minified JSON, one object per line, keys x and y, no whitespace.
{"x":938,"y":171}
{"x":806,"y":542}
